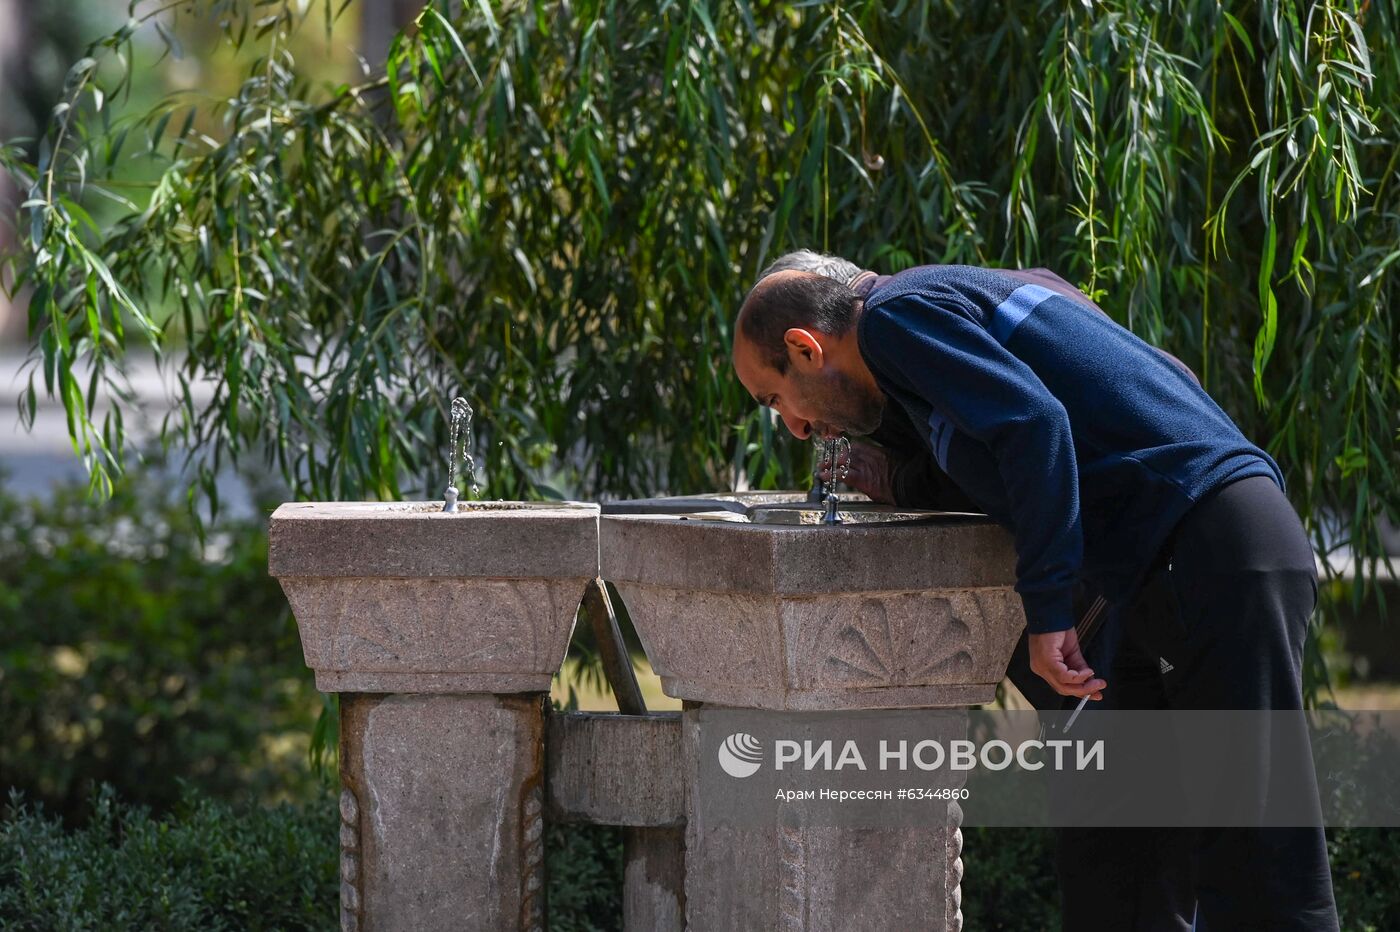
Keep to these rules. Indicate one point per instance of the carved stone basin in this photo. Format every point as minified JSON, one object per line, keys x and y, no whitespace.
{"x":762,"y":609}
{"x":401,"y":597}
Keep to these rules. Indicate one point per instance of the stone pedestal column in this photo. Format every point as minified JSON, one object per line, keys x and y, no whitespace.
{"x":801,"y":876}
{"x":743,"y":616}
{"x":441,"y":632}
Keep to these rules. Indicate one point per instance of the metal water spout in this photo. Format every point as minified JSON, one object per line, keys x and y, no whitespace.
{"x":831,"y":517}
{"x":832,"y":451}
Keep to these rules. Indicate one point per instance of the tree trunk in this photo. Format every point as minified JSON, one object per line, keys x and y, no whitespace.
{"x":379,"y":20}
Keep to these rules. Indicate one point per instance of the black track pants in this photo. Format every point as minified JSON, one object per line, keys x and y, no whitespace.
{"x":1219,"y":624}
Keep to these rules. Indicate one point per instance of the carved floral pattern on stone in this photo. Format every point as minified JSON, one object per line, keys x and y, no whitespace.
{"x":433,"y":625}
{"x":852,"y":641}
{"x":888,"y":639}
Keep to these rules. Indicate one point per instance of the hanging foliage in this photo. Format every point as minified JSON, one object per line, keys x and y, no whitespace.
{"x":555,"y":208}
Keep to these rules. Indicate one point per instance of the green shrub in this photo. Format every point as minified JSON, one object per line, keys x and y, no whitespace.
{"x":584,"y":866}
{"x":1366,"y":877}
{"x":131,"y":653}
{"x":212,"y":865}
{"x":1010,"y":880}
{"x":205,"y":865}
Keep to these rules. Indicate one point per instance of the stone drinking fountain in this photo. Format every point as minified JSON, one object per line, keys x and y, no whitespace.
{"x":761,"y":603}
{"x":441,"y":627}
{"x":441,"y":631}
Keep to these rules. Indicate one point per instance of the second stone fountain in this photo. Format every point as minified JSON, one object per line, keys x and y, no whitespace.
{"x":441,"y":632}
{"x":752,"y":601}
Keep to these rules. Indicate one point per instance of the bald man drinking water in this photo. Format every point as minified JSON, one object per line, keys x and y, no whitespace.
{"x":1111,"y":468}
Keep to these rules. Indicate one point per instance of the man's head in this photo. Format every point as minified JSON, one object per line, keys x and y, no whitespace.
{"x":818,"y":263}
{"x":795,"y":351}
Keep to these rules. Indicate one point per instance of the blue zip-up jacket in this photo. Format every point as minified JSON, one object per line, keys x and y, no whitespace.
{"x":1084,"y":441}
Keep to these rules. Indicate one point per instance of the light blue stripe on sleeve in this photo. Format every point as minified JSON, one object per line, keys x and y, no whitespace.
{"x":940,"y":435}
{"x":1016,"y":308}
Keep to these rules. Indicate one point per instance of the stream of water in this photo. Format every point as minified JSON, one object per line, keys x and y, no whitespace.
{"x":460,"y":446}
{"x":833,"y":456}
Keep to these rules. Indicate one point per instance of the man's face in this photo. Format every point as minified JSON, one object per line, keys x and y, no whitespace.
{"x":817,"y":395}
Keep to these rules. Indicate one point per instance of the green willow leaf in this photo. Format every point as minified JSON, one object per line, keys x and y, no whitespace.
{"x":555,"y":210}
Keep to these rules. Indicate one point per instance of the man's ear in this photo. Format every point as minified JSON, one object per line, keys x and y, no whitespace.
{"x":803,"y":348}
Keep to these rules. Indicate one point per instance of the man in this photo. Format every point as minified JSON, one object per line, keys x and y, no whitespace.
{"x":898,"y":469}
{"x":1113,"y":468}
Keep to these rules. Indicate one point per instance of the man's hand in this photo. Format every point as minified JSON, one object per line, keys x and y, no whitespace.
{"x":870,"y":472}
{"x":1056,"y":658}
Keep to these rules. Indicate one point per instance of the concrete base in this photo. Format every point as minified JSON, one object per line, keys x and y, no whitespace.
{"x":442,"y":812}
{"x":809,"y":878}
{"x":653,"y":890}
{"x":822,"y":880}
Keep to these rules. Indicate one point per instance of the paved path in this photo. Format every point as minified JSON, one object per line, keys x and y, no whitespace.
{"x":34,"y":461}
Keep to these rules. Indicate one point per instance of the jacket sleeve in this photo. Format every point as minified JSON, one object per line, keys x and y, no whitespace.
{"x":936,"y":348}
{"x":916,"y":479}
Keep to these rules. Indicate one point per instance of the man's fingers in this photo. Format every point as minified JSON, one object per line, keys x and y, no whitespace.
{"x":1074,"y":659}
{"x":1093,"y":689}
{"x":1070,"y":675}
{"x":1077,"y":683}
{"x":1057,"y":659}
{"x":860,"y":476}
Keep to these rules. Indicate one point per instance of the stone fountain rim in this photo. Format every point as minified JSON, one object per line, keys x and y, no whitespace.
{"x":920,"y":519}
{"x":432,"y":510}
{"x":412,"y":540}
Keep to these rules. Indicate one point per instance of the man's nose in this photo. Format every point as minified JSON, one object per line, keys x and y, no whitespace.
{"x":798,"y":427}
